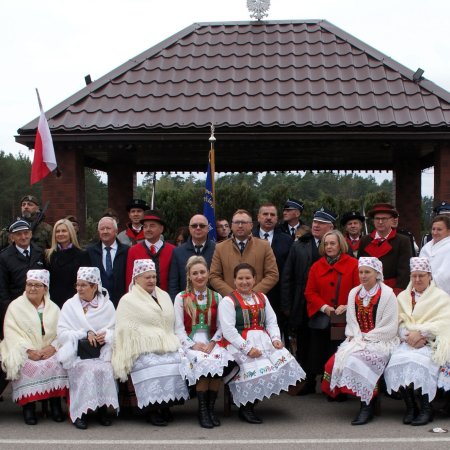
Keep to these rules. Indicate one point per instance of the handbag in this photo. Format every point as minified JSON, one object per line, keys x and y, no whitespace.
{"x":320,"y":320}
{"x":87,"y":351}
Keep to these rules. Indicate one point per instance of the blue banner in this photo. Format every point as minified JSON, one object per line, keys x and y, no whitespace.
{"x":208,"y":199}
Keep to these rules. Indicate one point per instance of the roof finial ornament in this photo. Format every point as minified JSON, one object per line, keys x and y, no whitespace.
{"x":258,"y":8}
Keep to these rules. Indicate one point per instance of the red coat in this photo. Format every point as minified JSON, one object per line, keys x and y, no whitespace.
{"x":322,"y":280}
{"x":164,"y":257}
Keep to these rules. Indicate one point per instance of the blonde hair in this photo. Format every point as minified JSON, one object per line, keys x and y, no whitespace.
{"x":340,"y":238}
{"x":72,"y":233}
{"x":188,"y":306}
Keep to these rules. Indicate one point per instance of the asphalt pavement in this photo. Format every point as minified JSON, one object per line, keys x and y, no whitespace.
{"x":308,"y":422}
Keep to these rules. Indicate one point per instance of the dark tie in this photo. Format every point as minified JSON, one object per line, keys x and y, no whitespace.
{"x":266,"y":236}
{"x":241,"y":246}
{"x":26,"y":253}
{"x":198,"y":249}
{"x":109,"y":267}
{"x":293,"y":232}
{"x":318,"y":243}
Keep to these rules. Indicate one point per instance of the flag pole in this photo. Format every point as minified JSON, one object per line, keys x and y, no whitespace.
{"x":212,"y":161}
{"x":39,"y":99}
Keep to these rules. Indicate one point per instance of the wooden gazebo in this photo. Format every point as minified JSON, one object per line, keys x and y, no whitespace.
{"x":283,"y":96}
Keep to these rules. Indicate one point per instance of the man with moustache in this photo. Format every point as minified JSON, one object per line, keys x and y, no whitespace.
{"x":280,"y":243}
{"x":198,"y":243}
{"x":353,"y":222}
{"x":303,"y":253}
{"x":243,"y":247}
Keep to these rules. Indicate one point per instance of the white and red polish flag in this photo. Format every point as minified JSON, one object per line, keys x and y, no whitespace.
{"x":44,"y":160}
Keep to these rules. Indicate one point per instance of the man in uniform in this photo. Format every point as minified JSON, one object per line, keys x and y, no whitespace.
{"x":304,"y":252}
{"x":198,"y":243}
{"x":292,"y":225}
{"x":243,"y":247}
{"x":15,"y":261}
{"x":154,"y":248}
{"x":353,"y":222}
{"x":30,"y":212}
{"x":134,"y":233}
{"x":391,"y":248}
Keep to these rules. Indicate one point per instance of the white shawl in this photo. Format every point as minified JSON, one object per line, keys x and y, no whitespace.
{"x":439,"y":255}
{"x":23,"y":331}
{"x":382,"y":339}
{"x":73,"y":325}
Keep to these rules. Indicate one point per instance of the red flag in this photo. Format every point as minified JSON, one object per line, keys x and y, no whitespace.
{"x":44,"y":160}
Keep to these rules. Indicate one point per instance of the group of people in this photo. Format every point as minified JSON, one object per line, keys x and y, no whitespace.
{"x":157,"y":323}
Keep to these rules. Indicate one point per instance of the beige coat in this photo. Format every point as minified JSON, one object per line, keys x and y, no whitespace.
{"x":227,"y":256}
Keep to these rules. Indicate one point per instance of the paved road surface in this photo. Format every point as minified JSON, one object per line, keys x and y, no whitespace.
{"x":289,"y":423}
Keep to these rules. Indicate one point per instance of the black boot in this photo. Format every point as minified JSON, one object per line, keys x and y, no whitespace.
{"x":81,"y":422}
{"x":29,"y":413}
{"x":102,"y":414}
{"x":212,"y":396}
{"x":425,"y":413}
{"x":55,"y":409}
{"x":247,"y":413}
{"x":156,"y":418}
{"x":411,"y":406}
{"x":203,"y":413}
{"x":365,"y":414}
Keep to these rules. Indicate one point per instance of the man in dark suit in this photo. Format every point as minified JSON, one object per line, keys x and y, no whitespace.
{"x":198,"y":243}
{"x":15,"y":261}
{"x":110,"y":256}
{"x":280,"y":243}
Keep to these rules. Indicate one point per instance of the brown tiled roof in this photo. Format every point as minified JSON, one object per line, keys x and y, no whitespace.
{"x":254,"y":74}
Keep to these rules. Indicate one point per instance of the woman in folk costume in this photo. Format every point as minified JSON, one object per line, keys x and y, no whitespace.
{"x":249,"y":325}
{"x":29,"y":349}
{"x":424,"y":318}
{"x":438,"y":252}
{"x":199,"y":331}
{"x":371,"y":331}
{"x":146,"y":347}
{"x":86,"y":325}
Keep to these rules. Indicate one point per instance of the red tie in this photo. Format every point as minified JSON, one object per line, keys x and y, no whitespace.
{"x":413,"y":299}
{"x":152,"y":249}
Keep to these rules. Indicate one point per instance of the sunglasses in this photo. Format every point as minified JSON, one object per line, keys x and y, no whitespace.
{"x":198,"y":225}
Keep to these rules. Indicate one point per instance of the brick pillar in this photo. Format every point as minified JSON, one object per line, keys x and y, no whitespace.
{"x":442,"y":174}
{"x":407,"y":193}
{"x":121,"y":182}
{"x":66,"y":192}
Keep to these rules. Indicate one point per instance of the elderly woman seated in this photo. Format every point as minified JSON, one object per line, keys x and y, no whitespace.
{"x":86,"y":330}
{"x":29,"y":349}
{"x":371,"y":331}
{"x":424,"y":330}
{"x":146,"y":347}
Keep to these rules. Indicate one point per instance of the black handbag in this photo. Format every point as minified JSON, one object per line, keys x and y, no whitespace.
{"x":88,"y":351}
{"x":320,"y":320}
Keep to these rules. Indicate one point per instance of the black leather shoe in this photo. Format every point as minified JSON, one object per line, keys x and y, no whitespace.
{"x":309,"y":388}
{"x":365,"y":414}
{"x":203,"y":414}
{"x":247,"y":414}
{"x":56,"y":411}
{"x":103,"y":419}
{"x":212,"y":397}
{"x":29,"y":413}
{"x":425,"y":412}
{"x":411,"y":407}
{"x":81,"y":422}
{"x":156,"y":419}
{"x":166,"y":414}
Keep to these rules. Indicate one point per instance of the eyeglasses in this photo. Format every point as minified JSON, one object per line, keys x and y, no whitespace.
{"x":381,"y":219}
{"x":198,"y":225}
{"x":240,"y":222}
{"x":34,"y":285}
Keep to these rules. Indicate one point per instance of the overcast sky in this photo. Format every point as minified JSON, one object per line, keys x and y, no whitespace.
{"x":53,"y":44}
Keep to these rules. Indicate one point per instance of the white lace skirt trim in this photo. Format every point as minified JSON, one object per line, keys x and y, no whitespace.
{"x":91,"y":384}
{"x":39,"y":377}
{"x":196,"y":364}
{"x":157,"y":379}
{"x":267,"y":375}
{"x":409,"y":365}
{"x":361,"y":373}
